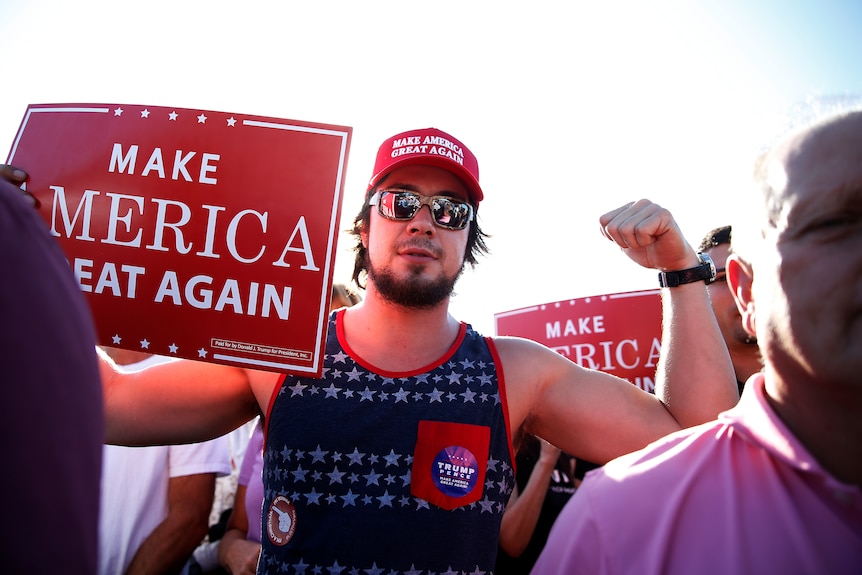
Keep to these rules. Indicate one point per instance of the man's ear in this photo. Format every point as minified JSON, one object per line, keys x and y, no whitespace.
{"x":363,"y":234}
{"x":740,"y":277}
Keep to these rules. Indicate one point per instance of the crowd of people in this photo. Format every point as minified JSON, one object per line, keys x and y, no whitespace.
{"x":402,"y":458}
{"x":155,"y":500}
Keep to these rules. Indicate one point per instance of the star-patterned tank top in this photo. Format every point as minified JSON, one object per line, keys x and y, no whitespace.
{"x":372,"y":472}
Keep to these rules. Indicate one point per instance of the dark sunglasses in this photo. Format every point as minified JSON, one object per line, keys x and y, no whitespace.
{"x":395,"y":204}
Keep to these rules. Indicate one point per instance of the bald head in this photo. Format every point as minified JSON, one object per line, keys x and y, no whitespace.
{"x":799,"y":291}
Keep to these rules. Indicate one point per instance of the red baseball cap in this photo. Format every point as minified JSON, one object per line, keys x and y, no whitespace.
{"x":429,"y":147}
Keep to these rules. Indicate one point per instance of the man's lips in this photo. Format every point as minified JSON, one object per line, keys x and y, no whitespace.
{"x":420,"y":252}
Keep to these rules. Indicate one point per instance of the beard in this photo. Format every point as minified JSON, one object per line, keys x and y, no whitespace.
{"x":413,"y":291}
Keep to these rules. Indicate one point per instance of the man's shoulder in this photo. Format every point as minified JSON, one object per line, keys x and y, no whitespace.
{"x":509,"y":345}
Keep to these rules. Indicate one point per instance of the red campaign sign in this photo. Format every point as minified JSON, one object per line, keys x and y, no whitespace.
{"x":618,"y":333}
{"x":195,"y":234}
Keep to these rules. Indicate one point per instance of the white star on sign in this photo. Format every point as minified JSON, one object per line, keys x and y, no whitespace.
{"x":202,"y":119}
{"x":173,"y":116}
{"x":231,"y":121}
{"x":202,"y":352}
{"x":117,"y":339}
{"x":145,"y":113}
{"x":118,"y":112}
{"x":173,"y":347}
{"x":145,"y":344}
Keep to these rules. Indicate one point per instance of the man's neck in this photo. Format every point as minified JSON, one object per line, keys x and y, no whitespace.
{"x":746,"y":362}
{"x":825,"y":418}
{"x":397,"y":338}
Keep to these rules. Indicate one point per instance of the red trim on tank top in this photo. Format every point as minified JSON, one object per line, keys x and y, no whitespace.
{"x":342,"y":339}
{"x":504,"y":402}
{"x":272,"y":398}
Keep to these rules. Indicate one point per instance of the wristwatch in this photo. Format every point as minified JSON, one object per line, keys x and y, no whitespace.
{"x":703,"y":272}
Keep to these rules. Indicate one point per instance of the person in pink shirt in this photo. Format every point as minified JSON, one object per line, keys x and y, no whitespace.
{"x":773,"y":485}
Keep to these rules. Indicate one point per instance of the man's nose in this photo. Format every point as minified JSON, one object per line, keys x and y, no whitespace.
{"x":423,"y":221}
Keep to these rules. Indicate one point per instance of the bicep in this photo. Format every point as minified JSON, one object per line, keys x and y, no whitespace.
{"x":589,"y":414}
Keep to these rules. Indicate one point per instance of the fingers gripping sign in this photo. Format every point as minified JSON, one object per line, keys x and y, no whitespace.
{"x":18,"y":178}
{"x":649,"y":235}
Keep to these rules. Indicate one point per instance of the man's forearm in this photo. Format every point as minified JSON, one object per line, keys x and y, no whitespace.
{"x":168,"y":547}
{"x":695,"y":377}
{"x":173,"y":541}
{"x":520,"y":519}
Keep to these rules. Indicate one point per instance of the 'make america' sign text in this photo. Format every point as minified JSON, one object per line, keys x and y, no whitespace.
{"x":618,"y":333}
{"x":194,"y":234}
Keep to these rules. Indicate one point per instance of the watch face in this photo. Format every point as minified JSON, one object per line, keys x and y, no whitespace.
{"x":708,"y":260}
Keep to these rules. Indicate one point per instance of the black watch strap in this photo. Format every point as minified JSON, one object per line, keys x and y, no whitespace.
{"x":703,"y":272}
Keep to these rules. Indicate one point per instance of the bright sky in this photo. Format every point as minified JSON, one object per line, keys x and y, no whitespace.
{"x":572,"y":108}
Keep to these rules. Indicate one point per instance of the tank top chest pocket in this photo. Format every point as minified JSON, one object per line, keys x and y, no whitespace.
{"x":449,"y":463}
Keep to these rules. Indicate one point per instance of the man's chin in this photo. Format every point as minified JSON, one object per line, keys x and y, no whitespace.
{"x":413,"y":292}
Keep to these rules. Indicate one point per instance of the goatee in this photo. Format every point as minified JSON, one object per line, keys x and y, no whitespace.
{"x":414,"y":291}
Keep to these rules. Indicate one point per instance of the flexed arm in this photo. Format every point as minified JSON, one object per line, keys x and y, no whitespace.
{"x":695,"y":377}
{"x":597,"y":416}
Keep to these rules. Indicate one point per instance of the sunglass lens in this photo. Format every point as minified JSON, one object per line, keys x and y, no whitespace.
{"x":398,"y":206}
{"x":450,"y":214}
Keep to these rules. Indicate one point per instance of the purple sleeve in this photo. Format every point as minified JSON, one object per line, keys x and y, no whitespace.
{"x":253,"y":450}
{"x":250,"y":476}
{"x":52,"y":423}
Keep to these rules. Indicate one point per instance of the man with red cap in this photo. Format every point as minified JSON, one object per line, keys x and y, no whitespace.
{"x":399,"y":460}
